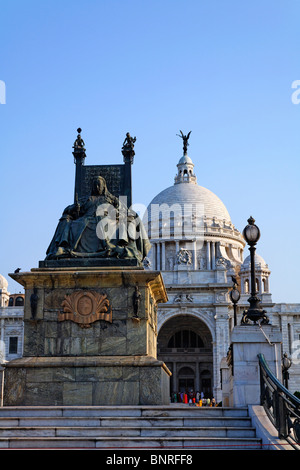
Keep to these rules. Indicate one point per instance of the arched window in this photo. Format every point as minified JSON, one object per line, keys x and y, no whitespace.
{"x":257,"y":285}
{"x":246,"y":286}
{"x":185,"y":339}
{"x":186,"y":372}
{"x":19,"y":302}
{"x":265,"y":285}
{"x":11,"y":302}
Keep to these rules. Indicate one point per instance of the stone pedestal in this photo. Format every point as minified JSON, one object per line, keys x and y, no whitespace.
{"x":87,"y":342}
{"x":247,"y":342}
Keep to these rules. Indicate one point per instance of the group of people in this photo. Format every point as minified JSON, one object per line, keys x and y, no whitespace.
{"x":192,"y":398}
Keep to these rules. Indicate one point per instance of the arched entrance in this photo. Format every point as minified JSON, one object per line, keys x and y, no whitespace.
{"x":186,"y":379}
{"x":185,"y":345}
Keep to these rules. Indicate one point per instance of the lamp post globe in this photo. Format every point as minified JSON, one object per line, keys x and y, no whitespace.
{"x":286,"y":364}
{"x":251,"y":232}
{"x":234,"y":297}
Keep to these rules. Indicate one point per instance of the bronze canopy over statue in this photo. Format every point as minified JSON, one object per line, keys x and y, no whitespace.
{"x":99,"y":226}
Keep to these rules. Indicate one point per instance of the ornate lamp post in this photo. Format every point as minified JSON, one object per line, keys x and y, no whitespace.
{"x":234,"y":297}
{"x":251,"y":233}
{"x":286,"y":364}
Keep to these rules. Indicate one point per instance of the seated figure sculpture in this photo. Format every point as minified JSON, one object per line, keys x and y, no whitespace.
{"x":99,"y":226}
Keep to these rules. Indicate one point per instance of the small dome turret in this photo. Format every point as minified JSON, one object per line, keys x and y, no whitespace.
{"x":4,"y":295}
{"x":262,"y":274}
{"x":3,"y":282}
{"x":259,"y":263}
{"x":185,"y":172}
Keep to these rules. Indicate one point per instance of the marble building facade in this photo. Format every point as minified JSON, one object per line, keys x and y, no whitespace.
{"x":198,"y":259}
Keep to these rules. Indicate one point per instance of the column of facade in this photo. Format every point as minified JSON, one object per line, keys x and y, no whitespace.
{"x":260,"y":284}
{"x":242,"y":285}
{"x":158,"y":256}
{"x":221,"y":346}
{"x":267,"y":284}
{"x":285,"y":334}
{"x":195,"y":254}
{"x":174,"y":373}
{"x":2,"y":344}
{"x":291,"y":335}
{"x":213,"y":255}
{"x":163,"y":256}
{"x":208,"y":259}
{"x":197,"y":378}
{"x":154,"y":255}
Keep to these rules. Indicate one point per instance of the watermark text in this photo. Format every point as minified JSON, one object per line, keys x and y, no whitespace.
{"x":296,"y":94}
{"x":2,"y":92}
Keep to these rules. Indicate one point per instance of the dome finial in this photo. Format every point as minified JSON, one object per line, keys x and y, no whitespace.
{"x":79,"y":143}
{"x":185,"y":139}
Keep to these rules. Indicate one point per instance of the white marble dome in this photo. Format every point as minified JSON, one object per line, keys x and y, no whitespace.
{"x":194,"y":194}
{"x":195,"y":202}
{"x":259,"y":263}
{"x":185,"y":159}
{"x":191,"y":216}
{"x":3,"y":282}
{"x":186,"y":192}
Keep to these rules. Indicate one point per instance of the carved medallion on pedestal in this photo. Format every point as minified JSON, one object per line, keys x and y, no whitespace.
{"x":86,"y":307}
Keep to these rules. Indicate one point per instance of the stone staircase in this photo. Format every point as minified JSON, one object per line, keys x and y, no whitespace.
{"x":176,"y":426}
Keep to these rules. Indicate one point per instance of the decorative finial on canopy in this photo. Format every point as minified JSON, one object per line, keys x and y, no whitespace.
{"x":128,"y":148}
{"x":79,"y":143}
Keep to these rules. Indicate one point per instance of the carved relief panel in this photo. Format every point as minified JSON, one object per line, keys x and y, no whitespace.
{"x":86,"y":307}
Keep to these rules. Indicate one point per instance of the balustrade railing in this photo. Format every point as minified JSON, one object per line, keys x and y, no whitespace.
{"x":281,"y":406}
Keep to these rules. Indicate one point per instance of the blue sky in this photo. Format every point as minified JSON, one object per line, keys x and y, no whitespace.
{"x":223,"y":69}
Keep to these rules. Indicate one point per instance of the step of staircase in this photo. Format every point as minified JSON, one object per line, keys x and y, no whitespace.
{"x":137,"y":427}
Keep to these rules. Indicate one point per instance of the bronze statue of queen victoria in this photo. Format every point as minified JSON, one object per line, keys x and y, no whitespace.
{"x":99,"y":226}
